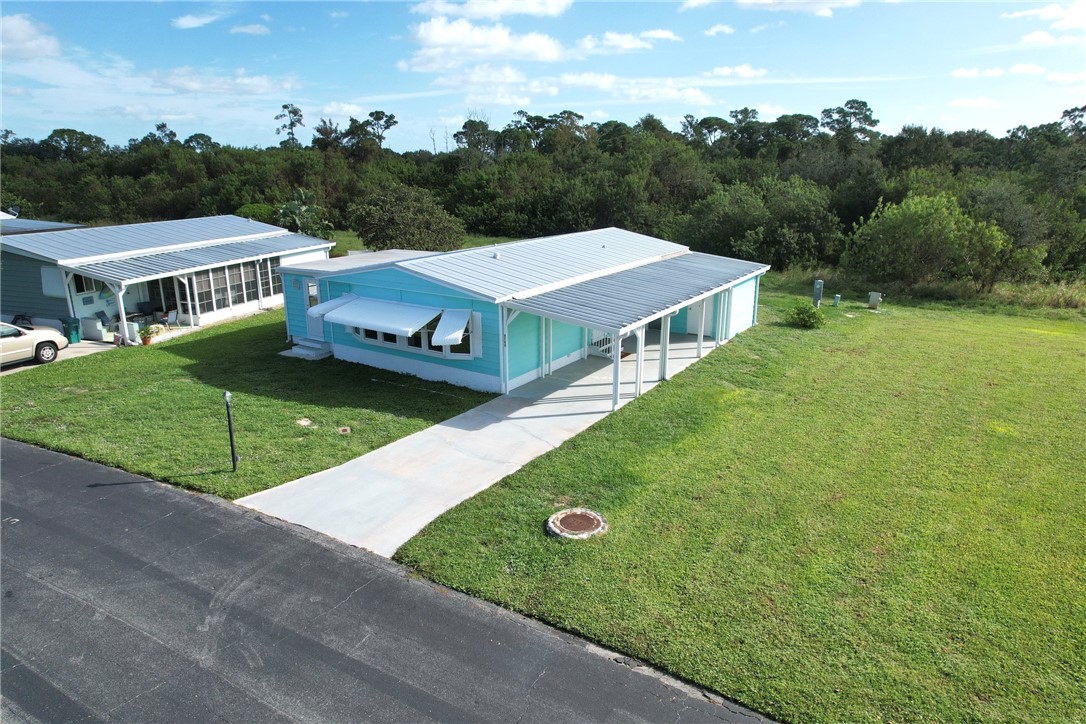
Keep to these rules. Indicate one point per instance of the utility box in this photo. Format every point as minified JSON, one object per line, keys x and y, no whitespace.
{"x":817,"y":297}
{"x":874,"y":299}
{"x":70,"y":326}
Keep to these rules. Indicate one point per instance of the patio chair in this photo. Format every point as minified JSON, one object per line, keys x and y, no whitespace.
{"x":111,"y":325}
{"x":170,"y":320}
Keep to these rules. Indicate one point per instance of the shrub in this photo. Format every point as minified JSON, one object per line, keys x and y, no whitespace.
{"x":806,"y":316}
{"x":258,"y":212}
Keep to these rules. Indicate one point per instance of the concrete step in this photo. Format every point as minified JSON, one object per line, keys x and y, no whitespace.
{"x":310,"y":349}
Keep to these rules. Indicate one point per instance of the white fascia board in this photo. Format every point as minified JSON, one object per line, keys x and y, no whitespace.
{"x":535,"y":291}
{"x":94,"y":259}
{"x":190,"y":270}
{"x":693,"y":300}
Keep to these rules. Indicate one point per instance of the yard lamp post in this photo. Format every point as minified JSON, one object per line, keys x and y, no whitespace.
{"x":230,"y":426}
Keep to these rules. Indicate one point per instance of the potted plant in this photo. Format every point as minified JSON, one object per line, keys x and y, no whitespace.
{"x":150,"y":331}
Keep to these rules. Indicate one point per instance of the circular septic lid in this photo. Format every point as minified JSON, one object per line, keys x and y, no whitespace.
{"x":576,"y":523}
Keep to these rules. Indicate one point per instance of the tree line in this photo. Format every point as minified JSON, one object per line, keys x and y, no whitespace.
{"x":918,"y":206}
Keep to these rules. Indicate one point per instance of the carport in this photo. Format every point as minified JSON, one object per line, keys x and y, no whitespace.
{"x":627,"y":302}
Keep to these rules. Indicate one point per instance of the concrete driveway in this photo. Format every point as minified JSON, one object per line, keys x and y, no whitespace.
{"x":128,"y":600}
{"x":382,"y":499}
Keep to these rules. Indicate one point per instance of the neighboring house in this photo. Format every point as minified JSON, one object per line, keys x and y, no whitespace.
{"x":11,"y":225}
{"x":206,"y":269}
{"x":494,"y":318}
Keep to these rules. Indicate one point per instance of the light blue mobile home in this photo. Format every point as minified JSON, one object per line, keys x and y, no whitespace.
{"x":494,"y":318}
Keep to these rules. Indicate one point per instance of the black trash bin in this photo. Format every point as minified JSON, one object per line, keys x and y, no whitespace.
{"x":71,"y":328}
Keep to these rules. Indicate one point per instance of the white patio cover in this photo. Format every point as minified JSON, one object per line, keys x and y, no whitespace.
{"x":324,"y":307}
{"x":388,"y":317}
{"x":450,"y":330}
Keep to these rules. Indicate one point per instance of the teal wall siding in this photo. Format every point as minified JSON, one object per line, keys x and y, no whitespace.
{"x":678,"y":322}
{"x":20,"y":288}
{"x":565,"y":339}
{"x":397,"y":286}
{"x":294,"y":304}
{"x":523,"y":345}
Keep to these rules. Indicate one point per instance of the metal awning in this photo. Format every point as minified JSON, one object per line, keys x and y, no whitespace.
{"x":450,"y":330}
{"x":133,"y":269}
{"x":380,"y":316}
{"x":324,"y":307}
{"x":621,"y":302}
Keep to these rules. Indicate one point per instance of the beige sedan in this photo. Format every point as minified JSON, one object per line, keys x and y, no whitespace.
{"x":18,"y":344}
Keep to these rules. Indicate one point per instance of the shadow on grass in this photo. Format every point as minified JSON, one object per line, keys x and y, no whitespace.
{"x":246,"y":360}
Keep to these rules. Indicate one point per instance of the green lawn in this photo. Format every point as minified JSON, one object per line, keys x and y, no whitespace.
{"x":158,"y":410}
{"x":881,"y":520}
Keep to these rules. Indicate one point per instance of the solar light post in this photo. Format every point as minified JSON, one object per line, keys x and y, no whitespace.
{"x":230,"y":426}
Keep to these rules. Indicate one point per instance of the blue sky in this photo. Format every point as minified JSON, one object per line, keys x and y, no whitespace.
{"x":225,"y":69}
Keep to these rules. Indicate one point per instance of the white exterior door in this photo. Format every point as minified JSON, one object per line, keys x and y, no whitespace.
{"x":693,"y":317}
{"x":314,"y":324}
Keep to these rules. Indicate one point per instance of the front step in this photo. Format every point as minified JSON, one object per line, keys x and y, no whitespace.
{"x":310,"y":349}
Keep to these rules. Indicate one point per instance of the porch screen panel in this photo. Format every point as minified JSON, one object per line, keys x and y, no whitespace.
{"x":218,"y":284}
{"x":204,"y":301}
{"x":248,"y":274}
{"x":237,"y":288}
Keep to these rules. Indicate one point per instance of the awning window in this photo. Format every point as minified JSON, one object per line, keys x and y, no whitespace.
{"x":450,"y":330}
{"x":387,"y":317}
{"x":324,"y":307}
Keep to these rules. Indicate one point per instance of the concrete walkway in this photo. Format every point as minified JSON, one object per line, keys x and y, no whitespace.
{"x":382,"y":499}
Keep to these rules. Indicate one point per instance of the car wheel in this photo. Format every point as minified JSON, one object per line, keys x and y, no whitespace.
{"x":46,"y":352}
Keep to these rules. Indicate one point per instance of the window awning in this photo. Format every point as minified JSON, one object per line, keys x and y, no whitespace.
{"x":450,"y":330}
{"x":324,"y":307}
{"x":388,"y":317}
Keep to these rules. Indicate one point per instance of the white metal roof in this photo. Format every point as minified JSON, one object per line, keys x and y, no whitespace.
{"x":105,"y":242}
{"x":10,"y":226}
{"x":135,"y":268}
{"x":620,"y":302}
{"x":353,"y":262}
{"x":521,"y":268}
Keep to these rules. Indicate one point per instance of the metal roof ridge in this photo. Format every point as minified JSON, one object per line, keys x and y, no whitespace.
{"x":134,"y":254}
{"x":589,"y":276}
{"x":524,"y":242}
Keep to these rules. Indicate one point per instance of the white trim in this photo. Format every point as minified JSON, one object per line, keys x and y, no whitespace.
{"x":418,"y":367}
{"x":566,"y":360}
{"x":529,"y":376}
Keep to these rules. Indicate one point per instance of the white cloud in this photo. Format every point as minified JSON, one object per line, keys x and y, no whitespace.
{"x":975,"y":103}
{"x":190,"y":80}
{"x":338,"y":14}
{"x":188,"y":22}
{"x":977,"y":73}
{"x":691,"y":4}
{"x":266,"y":18}
{"x":766,"y":26}
{"x":769,"y":110}
{"x":492,"y":9}
{"x":661,"y":35}
{"x":600,"y":81}
{"x":821,"y":8}
{"x":449,"y":44}
{"x":738,"y":71}
{"x":1065,"y":17}
{"x":338,"y":109}
{"x":21,"y":37}
{"x":1026,"y":69}
{"x":1067,"y":78}
{"x":624,"y":41}
{"x":1045,"y":38}
{"x":718,"y":29}
{"x":254,"y":29}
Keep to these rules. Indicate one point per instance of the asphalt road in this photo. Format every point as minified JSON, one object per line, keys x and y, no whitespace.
{"x":128,"y":600}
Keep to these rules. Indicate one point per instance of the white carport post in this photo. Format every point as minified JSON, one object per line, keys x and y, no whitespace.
{"x":68,"y":292}
{"x":665,"y":344}
{"x":122,"y":321}
{"x":640,"y":374}
{"x":701,"y":328}
{"x":616,"y":354}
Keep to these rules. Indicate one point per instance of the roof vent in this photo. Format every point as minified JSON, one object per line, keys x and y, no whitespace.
{"x":497,"y":255}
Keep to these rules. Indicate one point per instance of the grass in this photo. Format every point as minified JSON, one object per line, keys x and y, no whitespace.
{"x":158,"y":410}
{"x":879,"y":520}
{"x":472,"y":240}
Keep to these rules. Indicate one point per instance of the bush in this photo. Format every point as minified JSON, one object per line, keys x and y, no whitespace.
{"x":264,"y":213}
{"x":806,"y":316}
{"x":405,"y":217}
